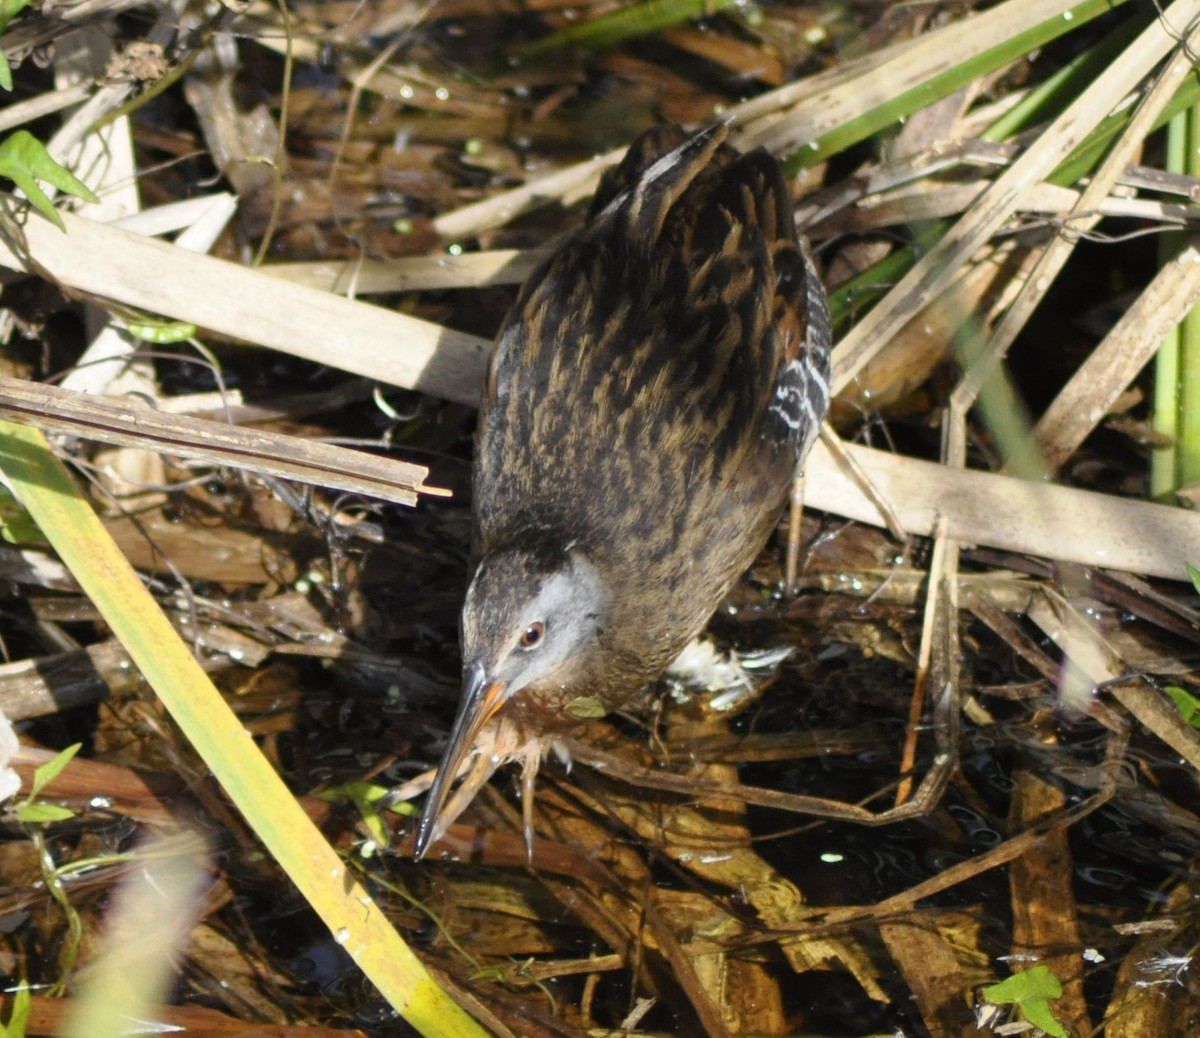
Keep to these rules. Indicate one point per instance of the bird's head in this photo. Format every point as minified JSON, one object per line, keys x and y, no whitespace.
{"x":528,"y":623}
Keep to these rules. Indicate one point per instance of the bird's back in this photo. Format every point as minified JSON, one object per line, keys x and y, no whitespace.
{"x":658,"y":380}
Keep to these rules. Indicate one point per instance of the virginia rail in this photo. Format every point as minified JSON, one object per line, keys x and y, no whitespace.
{"x":651,"y":396}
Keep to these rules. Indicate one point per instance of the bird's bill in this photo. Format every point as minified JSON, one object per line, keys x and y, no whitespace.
{"x":480,"y":700}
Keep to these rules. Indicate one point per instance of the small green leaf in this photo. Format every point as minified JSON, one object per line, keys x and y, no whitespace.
{"x":49,"y":771}
{"x":403,"y":807}
{"x":43,"y":814}
{"x":586,"y":707}
{"x":1030,"y":991}
{"x":23,"y":158}
{"x":1194,"y":573}
{"x":365,"y":796}
{"x":1038,"y":982}
{"x":1186,"y":703}
{"x":9,"y":9}
{"x":162,"y":333}
{"x":18,"y":1022}
{"x":1038,"y":1012}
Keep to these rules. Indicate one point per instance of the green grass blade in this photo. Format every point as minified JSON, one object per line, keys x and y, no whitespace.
{"x":1187,"y":443}
{"x":861,"y":292}
{"x":942,"y":84}
{"x":1089,"y":153}
{"x":1052,"y":95}
{"x":625,"y":23}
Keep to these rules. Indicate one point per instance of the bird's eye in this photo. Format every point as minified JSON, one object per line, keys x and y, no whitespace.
{"x":532,"y":635}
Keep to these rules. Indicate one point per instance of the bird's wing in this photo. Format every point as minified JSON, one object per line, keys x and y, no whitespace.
{"x":669,"y":335}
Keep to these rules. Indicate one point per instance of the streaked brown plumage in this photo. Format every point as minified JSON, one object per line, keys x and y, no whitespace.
{"x":651,"y":395}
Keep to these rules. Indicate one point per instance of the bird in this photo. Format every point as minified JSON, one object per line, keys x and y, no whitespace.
{"x":649,"y":402}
